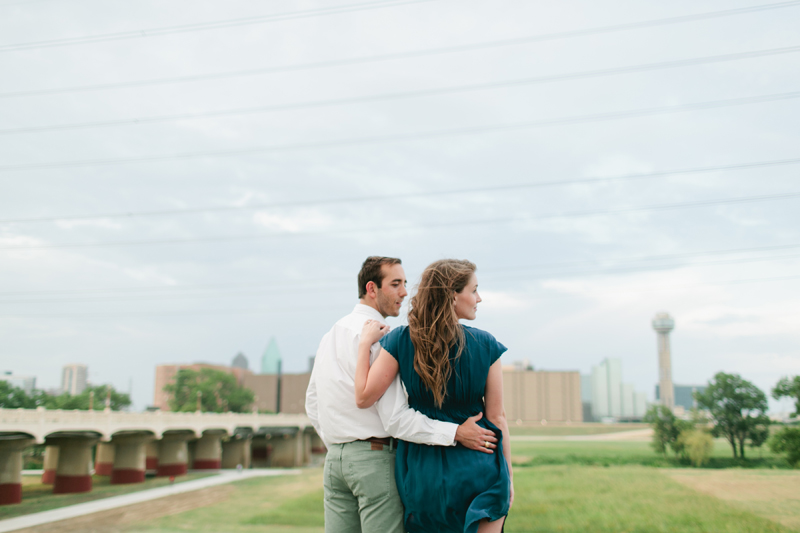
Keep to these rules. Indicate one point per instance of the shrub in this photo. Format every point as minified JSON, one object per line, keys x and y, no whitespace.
{"x":787,"y":441}
{"x":698,"y":445}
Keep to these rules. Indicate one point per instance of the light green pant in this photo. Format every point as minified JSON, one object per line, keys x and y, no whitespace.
{"x":360,"y":491}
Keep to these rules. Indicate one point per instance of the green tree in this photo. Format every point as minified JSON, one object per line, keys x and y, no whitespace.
{"x":738,"y":411}
{"x":789,"y":388}
{"x":95,"y":396}
{"x":667,"y":429}
{"x":12,"y":397}
{"x":787,"y":441}
{"x":217,"y":391}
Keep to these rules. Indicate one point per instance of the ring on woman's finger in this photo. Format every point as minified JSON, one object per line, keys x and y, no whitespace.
{"x":486,"y":444}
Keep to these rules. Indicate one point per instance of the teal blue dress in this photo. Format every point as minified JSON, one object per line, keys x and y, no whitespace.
{"x":450,"y":488}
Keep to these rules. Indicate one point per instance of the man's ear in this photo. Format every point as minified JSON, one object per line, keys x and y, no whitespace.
{"x":372,"y":289}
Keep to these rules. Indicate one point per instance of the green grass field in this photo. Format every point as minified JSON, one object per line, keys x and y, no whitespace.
{"x":548,"y":499}
{"x":608,"y":453}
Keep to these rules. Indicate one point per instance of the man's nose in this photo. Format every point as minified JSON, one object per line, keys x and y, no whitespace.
{"x":403,"y":292}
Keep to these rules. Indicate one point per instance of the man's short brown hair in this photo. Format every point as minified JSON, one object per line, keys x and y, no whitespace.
{"x":371,"y":271}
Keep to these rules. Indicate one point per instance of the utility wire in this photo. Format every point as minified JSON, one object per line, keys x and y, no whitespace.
{"x":399,"y":196}
{"x":202,"y":26}
{"x":402,"y":95}
{"x":274,"y":310}
{"x":394,"y":56}
{"x":399,"y":137}
{"x":255,"y":292}
{"x":427,"y":226}
{"x":316,"y":283}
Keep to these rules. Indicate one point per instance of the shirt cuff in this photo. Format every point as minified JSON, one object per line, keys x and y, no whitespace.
{"x":450,"y":434}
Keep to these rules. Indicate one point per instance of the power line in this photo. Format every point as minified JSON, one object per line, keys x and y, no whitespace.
{"x":317,"y":283}
{"x":399,"y":137}
{"x":202,"y":26}
{"x":399,"y":196}
{"x":395,"y":56}
{"x":274,"y":310}
{"x":383,"y":229}
{"x":674,"y":287}
{"x":404,"y":95}
{"x":255,"y":291}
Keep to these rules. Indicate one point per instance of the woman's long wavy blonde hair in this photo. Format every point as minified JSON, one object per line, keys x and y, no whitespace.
{"x":433,"y":324}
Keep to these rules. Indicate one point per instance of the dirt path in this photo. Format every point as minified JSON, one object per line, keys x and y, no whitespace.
{"x":115,"y":520}
{"x":636,"y":435}
{"x":771,"y":494}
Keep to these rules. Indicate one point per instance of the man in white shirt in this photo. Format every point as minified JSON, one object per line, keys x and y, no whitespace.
{"x":360,"y":490}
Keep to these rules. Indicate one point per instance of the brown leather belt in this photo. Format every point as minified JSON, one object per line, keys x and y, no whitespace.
{"x":386,"y":441}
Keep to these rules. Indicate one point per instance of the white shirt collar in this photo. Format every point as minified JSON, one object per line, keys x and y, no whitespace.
{"x":371,"y":312}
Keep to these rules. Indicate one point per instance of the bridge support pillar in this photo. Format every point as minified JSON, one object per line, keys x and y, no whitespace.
{"x":104,"y":458}
{"x":151,"y":463}
{"x":74,"y":464}
{"x":236,"y":452}
{"x":50,"y":465}
{"x":11,"y":470}
{"x":208,"y":452}
{"x":130,"y":459}
{"x":173,"y":455}
{"x":287,"y":449}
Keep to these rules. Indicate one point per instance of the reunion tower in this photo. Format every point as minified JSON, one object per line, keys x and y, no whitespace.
{"x":663,"y":324}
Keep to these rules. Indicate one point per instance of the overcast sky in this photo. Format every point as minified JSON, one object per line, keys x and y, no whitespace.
{"x":184,"y":180}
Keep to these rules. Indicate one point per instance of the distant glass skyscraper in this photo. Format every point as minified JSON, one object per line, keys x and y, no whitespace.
{"x":271,"y":360}
{"x":609,"y":396}
{"x":240,"y":361}
{"x":607,"y":388}
{"x":73,"y":379}
{"x":26,"y":383}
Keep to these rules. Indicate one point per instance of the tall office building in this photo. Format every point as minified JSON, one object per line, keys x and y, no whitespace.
{"x":73,"y":379}
{"x":607,"y":388}
{"x":600,"y":407}
{"x":26,"y":383}
{"x":605,"y":395}
{"x":240,"y":361}
{"x":627,"y":400}
{"x":271,"y":360}
{"x":684,"y":395}
{"x":663,"y":324}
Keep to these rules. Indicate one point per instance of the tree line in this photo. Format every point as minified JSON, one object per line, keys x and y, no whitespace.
{"x":731,"y":408}
{"x":93,"y":397}
{"x":206,"y":390}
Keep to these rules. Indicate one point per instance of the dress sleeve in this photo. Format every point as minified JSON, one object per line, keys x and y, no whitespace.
{"x":391,"y":342}
{"x":496,"y":349}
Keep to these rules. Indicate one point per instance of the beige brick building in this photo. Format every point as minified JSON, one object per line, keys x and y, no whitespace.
{"x":533,"y":396}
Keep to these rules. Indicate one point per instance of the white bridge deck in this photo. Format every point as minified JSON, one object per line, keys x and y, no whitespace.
{"x":39,"y":423}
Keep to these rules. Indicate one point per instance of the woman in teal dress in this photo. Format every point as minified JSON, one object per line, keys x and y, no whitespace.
{"x":451,"y":372}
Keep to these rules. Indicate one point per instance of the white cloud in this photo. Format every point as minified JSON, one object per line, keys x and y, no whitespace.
{"x":498,"y":300}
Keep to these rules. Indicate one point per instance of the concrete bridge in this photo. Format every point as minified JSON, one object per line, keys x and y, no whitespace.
{"x":126,"y":445}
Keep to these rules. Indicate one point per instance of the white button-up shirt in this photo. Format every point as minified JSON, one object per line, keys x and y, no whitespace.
{"x":331,"y":398}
